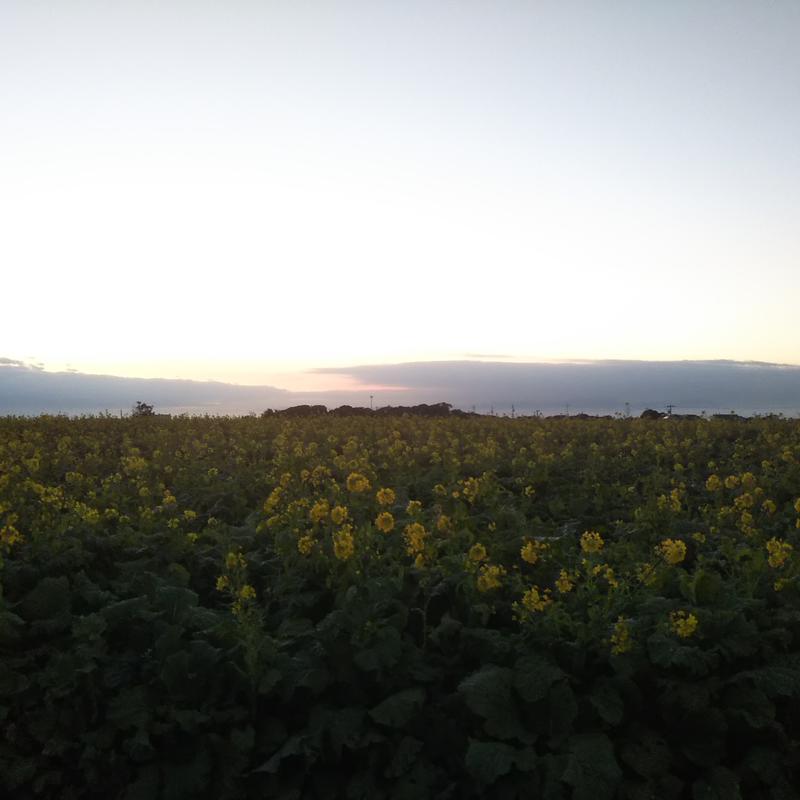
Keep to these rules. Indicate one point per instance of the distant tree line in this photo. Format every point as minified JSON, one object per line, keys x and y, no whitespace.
{"x":421,"y":410}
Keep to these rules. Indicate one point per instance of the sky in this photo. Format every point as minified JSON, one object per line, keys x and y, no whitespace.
{"x":251,"y":191}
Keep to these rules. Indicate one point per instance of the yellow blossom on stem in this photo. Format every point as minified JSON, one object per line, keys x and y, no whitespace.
{"x":10,"y":536}
{"x":673,"y":551}
{"x":535,"y":599}
{"x":356,"y":482}
{"x":385,"y":497}
{"x":343,"y":543}
{"x":489,"y":577}
{"x":413,"y":507}
{"x":565,"y":582}
{"x":621,"y":637}
{"x":415,"y":535}
{"x":591,"y":542}
{"x":532,"y":551}
{"x":384,"y":522}
{"x":477,"y":553}
{"x":779,"y":552}
{"x":305,"y":544}
{"x":713,"y":484}
{"x":683,"y":624}
{"x":319,"y":511}
{"x":338,"y":514}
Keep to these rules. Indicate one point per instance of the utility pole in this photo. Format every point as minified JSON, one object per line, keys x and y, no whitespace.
{"x":370,"y":403}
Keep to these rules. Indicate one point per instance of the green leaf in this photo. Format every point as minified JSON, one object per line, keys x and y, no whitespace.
{"x":563,"y":709}
{"x":186,"y":781}
{"x":130,"y":708}
{"x":397,"y":710}
{"x":646,"y":753}
{"x":533,"y":677}
{"x":592,"y":769}
{"x":49,"y":598}
{"x":721,"y":784}
{"x":488,"y":691}
{"x":403,"y":757}
{"x":11,"y":682}
{"x":487,"y":761}
{"x":607,"y":702}
{"x":291,"y":747}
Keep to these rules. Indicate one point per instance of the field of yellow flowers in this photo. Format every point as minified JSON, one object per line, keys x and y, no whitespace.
{"x":399,"y":607}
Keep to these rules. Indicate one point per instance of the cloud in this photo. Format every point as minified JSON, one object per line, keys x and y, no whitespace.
{"x":594,"y":386}
{"x":18,"y":364}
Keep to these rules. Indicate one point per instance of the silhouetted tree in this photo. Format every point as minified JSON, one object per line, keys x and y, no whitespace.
{"x":142,"y":410}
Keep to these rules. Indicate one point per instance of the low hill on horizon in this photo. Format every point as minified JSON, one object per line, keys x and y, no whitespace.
{"x":597,"y":387}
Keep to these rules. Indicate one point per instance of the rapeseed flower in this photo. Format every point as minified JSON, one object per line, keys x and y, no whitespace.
{"x":385,"y":497}
{"x":779,"y":552}
{"x":673,"y":551}
{"x":305,"y":545}
{"x":415,"y":535}
{"x":384,"y":522}
{"x":532,"y":551}
{"x":683,"y":624}
{"x":477,"y":553}
{"x":621,"y":637}
{"x":338,"y":514}
{"x":535,"y":599}
{"x":591,"y":542}
{"x":565,"y":582}
{"x":489,"y":577}
{"x":343,"y":543}
{"x":356,"y":482}
{"x":319,"y":511}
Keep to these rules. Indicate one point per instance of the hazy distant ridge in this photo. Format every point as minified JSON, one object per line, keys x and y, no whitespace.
{"x":594,"y":386}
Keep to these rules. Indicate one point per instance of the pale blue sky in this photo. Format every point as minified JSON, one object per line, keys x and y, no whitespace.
{"x":241,"y":190}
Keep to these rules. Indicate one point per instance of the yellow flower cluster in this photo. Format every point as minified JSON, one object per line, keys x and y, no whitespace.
{"x":415,"y":535}
{"x":732,"y":481}
{"x":477,"y":553}
{"x":591,"y":542}
{"x":338,"y":514}
{"x":319,"y":511}
{"x":356,"y":482}
{"x":470,"y":489}
{"x":536,"y":599}
{"x":531,"y":552}
{"x":779,"y":552}
{"x":489,"y":577}
{"x":621,"y":637}
{"x":235,"y":560}
{"x":713,"y":484}
{"x":673,"y":551}
{"x":343,"y":543}
{"x":9,"y":536}
{"x":413,"y":507}
{"x":305,"y":544}
{"x":566,"y":581}
{"x":384,"y":522}
{"x":385,"y":497}
{"x":683,"y":623}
